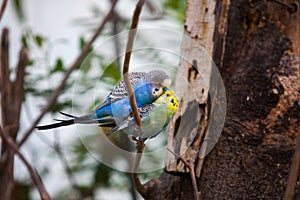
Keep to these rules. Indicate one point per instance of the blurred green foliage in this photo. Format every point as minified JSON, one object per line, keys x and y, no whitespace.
{"x":177,"y":8}
{"x":19,"y":9}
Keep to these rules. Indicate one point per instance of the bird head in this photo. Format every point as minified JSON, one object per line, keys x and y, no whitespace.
{"x":170,"y":100}
{"x":159,"y":80}
{"x":158,"y":77}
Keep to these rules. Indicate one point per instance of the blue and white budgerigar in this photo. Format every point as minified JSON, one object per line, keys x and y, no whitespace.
{"x":116,"y":106}
{"x":154,"y":117}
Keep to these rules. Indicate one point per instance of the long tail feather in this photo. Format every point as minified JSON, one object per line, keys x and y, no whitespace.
{"x":55,"y":125}
{"x":68,"y":115}
{"x":86,"y":119}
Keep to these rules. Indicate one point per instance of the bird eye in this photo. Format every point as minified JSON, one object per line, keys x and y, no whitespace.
{"x":168,"y":95}
{"x":156,"y":89}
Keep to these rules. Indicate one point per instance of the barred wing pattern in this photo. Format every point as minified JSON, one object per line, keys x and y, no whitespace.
{"x":120,"y":90}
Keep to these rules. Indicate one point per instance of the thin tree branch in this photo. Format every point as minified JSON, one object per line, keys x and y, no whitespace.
{"x":129,"y":46}
{"x":5,"y":81}
{"x":2,"y":9}
{"x":34,"y":174}
{"x":290,"y":189}
{"x":191,"y":166}
{"x":194,"y":182}
{"x":140,"y":143}
{"x":139,"y":153}
{"x":19,"y":82}
{"x":151,"y":7}
{"x":115,"y":31}
{"x":75,"y":65}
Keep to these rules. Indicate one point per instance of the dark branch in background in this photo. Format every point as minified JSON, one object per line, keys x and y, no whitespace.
{"x":19,"y":82}
{"x":115,"y":31}
{"x":140,"y":143}
{"x":5,"y":82}
{"x":12,"y":95}
{"x":151,"y":7}
{"x":75,"y":65}
{"x":7,"y":158}
{"x":2,"y":9}
{"x":33,"y":173}
{"x":290,"y":189}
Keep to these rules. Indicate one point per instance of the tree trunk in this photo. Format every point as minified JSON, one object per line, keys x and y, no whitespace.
{"x":255,"y":45}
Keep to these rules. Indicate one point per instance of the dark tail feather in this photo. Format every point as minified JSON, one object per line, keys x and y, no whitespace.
{"x":55,"y":125}
{"x":68,"y":115}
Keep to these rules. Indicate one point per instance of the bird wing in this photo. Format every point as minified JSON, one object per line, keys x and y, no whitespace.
{"x":144,"y":112}
{"x":120,"y":90}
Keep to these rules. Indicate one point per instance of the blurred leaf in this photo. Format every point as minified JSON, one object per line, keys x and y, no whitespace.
{"x":82,"y":42}
{"x":112,"y":73}
{"x":178,"y":7}
{"x":39,"y":40}
{"x":35,"y":92}
{"x":58,"y":67}
{"x":59,"y":106}
{"x":30,"y":62}
{"x":102,"y":175}
{"x":24,"y":39}
{"x":19,"y":8}
{"x":86,"y":64}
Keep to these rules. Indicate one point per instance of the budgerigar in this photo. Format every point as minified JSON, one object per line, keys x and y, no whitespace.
{"x":154,"y":117}
{"x":116,"y":106}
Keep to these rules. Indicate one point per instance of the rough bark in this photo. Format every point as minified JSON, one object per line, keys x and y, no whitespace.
{"x":255,"y":45}
{"x":261,"y":74}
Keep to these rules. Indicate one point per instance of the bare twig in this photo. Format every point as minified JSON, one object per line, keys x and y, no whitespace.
{"x":139,"y":153}
{"x":115,"y":31}
{"x":18,"y":92}
{"x":2,"y":9}
{"x":75,"y":65}
{"x":151,"y":7}
{"x":191,"y":166}
{"x":129,"y":46}
{"x":140,"y":142}
{"x":5,"y":81}
{"x":290,"y":189}
{"x":34,"y":175}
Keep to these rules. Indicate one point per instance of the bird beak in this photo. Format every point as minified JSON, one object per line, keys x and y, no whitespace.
{"x":166,"y":83}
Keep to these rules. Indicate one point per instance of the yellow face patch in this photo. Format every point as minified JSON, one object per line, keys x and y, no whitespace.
{"x":172,"y":101}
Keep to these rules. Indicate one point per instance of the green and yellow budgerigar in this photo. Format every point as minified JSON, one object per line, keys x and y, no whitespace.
{"x":155,"y":117}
